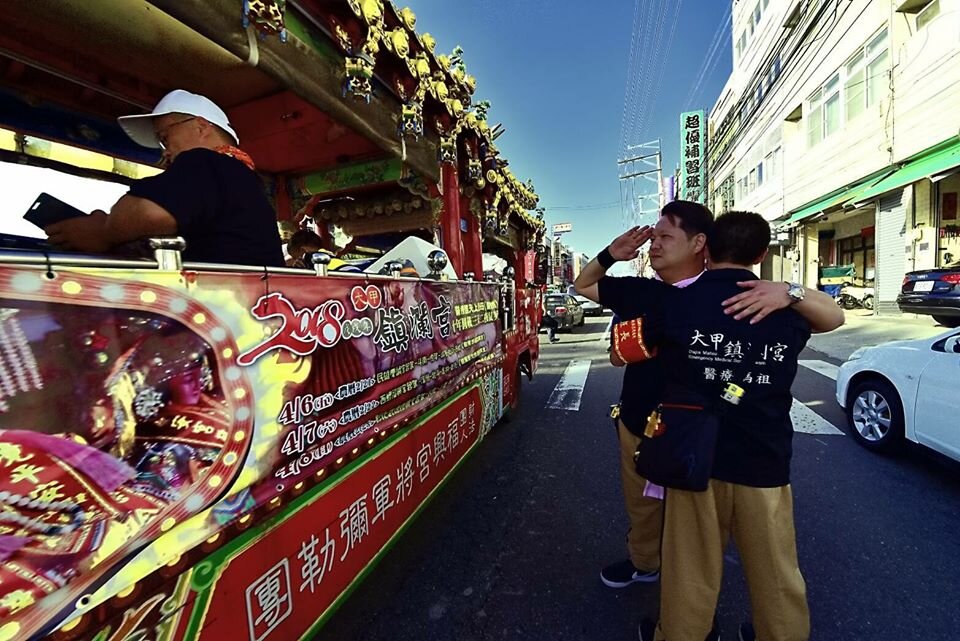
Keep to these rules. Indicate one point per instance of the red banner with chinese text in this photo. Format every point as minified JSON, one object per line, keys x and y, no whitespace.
{"x":285,"y":581}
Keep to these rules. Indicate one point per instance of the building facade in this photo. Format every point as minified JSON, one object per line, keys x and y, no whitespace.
{"x":839,"y":123}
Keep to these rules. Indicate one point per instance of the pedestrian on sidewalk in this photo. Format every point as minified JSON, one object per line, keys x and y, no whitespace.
{"x":548,"y":321}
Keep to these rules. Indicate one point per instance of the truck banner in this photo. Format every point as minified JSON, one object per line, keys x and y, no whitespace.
{"x":146,"y":411}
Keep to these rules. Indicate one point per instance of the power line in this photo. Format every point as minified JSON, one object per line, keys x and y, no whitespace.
{"x":630,"y":95}
{"x":584,"y":207}
{"x":709,"y":59}
{"x":651,"y":70}
{"x":648,"y":30}
{"x":631,"y":65}
{"x":662,"y":64}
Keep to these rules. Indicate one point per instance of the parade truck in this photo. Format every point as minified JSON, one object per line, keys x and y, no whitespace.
{"x":210,"y":451}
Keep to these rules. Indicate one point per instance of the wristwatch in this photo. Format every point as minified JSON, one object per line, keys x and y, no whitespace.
{"x":796,"y":292}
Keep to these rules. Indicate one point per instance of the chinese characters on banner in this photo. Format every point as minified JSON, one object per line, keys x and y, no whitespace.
{"x":278,"y":587}
{"x":693,"y":158}
{"x":378,"y":354}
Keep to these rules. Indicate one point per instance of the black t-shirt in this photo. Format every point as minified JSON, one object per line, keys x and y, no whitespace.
{"x":700,"y":347}
{"x":642,"y":382}
{"x":220,"y":207}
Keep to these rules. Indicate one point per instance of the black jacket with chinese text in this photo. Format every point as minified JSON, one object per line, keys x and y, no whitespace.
{"x":701,"y":347}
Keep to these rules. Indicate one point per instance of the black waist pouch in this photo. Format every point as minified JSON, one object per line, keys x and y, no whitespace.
{"x":678,"y":445}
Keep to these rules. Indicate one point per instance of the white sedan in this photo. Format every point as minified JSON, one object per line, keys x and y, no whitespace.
{"x":904,"y":389}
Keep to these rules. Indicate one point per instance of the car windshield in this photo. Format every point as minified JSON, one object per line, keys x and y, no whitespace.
{"x":554,"y":300}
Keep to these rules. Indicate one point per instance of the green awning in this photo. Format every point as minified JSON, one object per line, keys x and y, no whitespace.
{"x":815,"y":207}
{"x":836,"y":199}
{"x":925,"y":165}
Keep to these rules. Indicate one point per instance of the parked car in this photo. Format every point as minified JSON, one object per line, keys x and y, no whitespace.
{"x":935,"y":292}
{"x":564,"y":309}
{"x":590,"y":308}
{"x":904,"y":390}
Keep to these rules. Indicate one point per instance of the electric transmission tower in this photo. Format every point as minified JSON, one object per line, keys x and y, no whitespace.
{"x":640,"y":174}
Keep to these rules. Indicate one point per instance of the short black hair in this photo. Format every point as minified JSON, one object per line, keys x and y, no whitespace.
{"x":691,"y":217}
{"x":301,"y":239}
{"x":738,"y":237}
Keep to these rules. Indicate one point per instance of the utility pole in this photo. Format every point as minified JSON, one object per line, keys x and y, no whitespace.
{"x":640,"y":175}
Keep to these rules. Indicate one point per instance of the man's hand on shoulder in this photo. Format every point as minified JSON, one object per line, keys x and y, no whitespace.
{"x":764,"y":297}
{"x":761,"y":299}
{"x":627,"y":245}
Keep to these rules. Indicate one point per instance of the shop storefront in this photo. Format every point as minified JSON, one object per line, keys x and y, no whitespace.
{"x":904,"y":218}
{"x":848,"y":238}
{"x":947,"y":193}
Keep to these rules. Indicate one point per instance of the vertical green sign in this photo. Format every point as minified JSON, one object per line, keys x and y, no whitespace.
{"x":693,"y":159}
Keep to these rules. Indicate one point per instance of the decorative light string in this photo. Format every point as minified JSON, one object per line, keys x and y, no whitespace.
{"x":11,"y":356}
{"x":36,"y":524}
{"x":26,"y":352}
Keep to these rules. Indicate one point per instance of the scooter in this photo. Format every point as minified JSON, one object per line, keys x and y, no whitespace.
{"x":852,"y":297}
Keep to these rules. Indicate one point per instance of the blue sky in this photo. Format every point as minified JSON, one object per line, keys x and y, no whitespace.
{"x":556,"y":73}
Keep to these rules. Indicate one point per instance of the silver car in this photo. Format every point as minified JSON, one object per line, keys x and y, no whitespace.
{"x":590,"y":308}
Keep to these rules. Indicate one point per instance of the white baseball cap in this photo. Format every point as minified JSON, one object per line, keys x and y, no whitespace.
{"x":140,"y":126}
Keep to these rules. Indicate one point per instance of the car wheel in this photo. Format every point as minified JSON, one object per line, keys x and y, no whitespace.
{"x":948,"y":321}
{"x":875,"y":415}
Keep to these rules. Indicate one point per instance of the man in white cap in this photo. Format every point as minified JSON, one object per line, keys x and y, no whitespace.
{"x":209,"y":193}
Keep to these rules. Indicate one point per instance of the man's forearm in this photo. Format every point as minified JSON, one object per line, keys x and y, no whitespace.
{"x":820,"y":310}
{"x":132,"y":218}
{"x":586,"y":282}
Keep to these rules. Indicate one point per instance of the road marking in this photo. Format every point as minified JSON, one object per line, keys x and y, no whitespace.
{"x":822,"y":367}
{"x":566,"y":395}
{"x":809,"y":422}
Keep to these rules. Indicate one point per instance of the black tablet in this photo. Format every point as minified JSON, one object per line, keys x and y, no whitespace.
{"x":47,"y":210}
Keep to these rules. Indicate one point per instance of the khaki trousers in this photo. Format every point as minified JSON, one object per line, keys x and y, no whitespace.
{"x":697,"y":528}
{"x":645,"y":514}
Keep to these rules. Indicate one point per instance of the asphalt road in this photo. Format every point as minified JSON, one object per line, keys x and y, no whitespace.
{"x":511,"y":548}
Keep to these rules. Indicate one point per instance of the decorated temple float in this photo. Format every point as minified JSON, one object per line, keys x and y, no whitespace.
{"x":194,"y":451}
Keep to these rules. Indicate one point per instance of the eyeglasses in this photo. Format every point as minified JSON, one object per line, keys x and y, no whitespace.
{"x":162,"y":134}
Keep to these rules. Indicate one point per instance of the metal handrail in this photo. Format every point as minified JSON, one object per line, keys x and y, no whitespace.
{"x":45,"y":260}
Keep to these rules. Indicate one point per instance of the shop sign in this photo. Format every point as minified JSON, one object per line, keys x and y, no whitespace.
{"x":693,"y":160}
